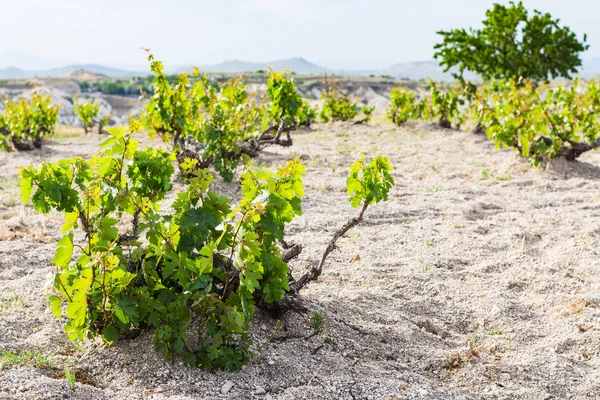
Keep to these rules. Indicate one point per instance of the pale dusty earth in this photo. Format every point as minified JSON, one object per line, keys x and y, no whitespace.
{"x":479,"y":279}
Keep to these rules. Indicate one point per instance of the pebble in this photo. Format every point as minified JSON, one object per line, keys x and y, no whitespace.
{"x":227,"y":386}
{"x":271,"y":362}
{"x":422,"y":392}
{"x":260,"y":390}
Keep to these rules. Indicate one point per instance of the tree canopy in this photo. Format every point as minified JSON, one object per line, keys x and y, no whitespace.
{"x":512,"y":44}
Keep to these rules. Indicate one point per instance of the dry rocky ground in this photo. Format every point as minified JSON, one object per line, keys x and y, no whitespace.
{"x":479,"y":279}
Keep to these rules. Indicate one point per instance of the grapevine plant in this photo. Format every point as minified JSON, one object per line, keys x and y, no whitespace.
{"x":404,"y":106}
{"x":337,"y":105}
{"x":307,"y":114}
{"x":540,"y":121}
{"x":442,"y":104}
{"x":193,"y":273}
{"x":369,"y":183}
{"x":88,"y":114}
{"x":24,"y":123}
{"x":220,"y":129}
{"x":368,"y":114}
{"x":445,"y":103}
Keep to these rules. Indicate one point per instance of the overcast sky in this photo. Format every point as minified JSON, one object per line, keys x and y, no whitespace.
{"x":351,"y":34}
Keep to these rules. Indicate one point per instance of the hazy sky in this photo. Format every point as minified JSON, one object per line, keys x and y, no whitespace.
{"x":349,"y":34}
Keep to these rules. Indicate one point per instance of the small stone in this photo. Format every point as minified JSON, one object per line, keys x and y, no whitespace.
{"x":227,"y":386}
{"x":422,"y":392}
{"x":260,"y":390}
{"x":263,"y":327}
{"x":271,"y":362}
{"x":21,"y":388}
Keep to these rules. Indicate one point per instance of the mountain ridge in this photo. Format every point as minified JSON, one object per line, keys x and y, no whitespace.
{"x":414,"y":70}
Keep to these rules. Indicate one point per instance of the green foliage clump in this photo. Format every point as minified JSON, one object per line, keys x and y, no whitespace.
{"x":404,"y":106}
{"x":121,"y":87}
{"x":87,"y":113}
{"x":25,"y":123}
{"x":368,"y":113}
{"x":445,"y":103}
{"x":286,"y":102}
{"x":512,"y":44}
{"x":193,"y":275}
{"x":369,"y":183}
{"x":307,"y":114}
{"x":337,"y":105}
{"x":219,"y":130}
{"x":103,"y":122}
{"x":540,"y":121}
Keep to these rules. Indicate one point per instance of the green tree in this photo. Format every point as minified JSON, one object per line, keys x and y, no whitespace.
{"x":512,"y":44}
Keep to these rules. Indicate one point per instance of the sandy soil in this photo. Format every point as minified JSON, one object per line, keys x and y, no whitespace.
{"x":479,"y":279}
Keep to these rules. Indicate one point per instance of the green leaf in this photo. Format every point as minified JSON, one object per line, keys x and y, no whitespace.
{"x":70,"y":221}
{"x":125,"y":309}
{"x":110,"y":334}
{"x":108,"y":231}
{"x":63,"y":254}
{"x":55,"y":304}
{"x":77,"y":309}
{"x":26,"y":186}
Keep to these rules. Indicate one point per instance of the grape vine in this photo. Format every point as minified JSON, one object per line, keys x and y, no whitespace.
{"x":220,"y":130}
{"x":199,"y":267}
{"x":24,"y":123}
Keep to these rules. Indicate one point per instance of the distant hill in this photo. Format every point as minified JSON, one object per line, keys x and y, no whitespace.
{"x":408,"y":70}
{"x":13,"y":73}
{"x":298,"y":65}
{"x":93,"y":68}
{"x":411,"y":70}
{"x":16,"y":73}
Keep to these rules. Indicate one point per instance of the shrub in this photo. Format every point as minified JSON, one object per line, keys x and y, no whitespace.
{"x":87,"y":113}
{"x":540,"y":121}
{"x":442,"y":104}
{"x":512,"y":44}
{"x":368,"y":113}
{"x":445,"y":103}
{"x":103,"y":122}
{"x":215,"y":130}
{"x":337,"y":105}
{"x":192,"y":274}
{"x":403,"y":106}
{"x":25,"y":123}
{"x":307,"y":114}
